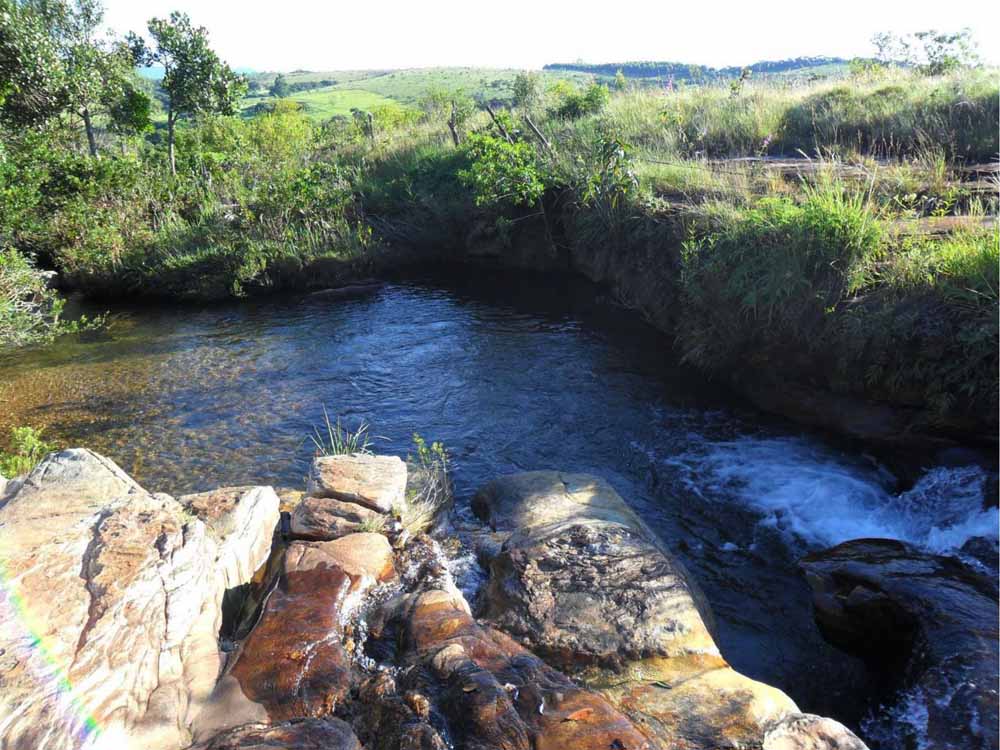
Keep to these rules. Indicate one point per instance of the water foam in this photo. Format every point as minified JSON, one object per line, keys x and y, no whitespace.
{"x":810,"y":492}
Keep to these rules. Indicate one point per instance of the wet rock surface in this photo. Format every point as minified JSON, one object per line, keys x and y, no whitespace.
{"x":581,"y":580}
{"x":929,"y":620}
{"x":376,"y":482}
{"x":311,"y":734}
{"x":293,"y":664}
{"x":112,"y":605}
{"x":487,"y":690}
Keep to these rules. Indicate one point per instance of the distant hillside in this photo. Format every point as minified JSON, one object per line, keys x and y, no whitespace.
{"x":685,"y":71}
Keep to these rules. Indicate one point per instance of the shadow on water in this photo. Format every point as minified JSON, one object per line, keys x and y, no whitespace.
{"x":511,"y":372}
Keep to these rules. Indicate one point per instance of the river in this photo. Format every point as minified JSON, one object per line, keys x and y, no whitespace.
{"x":511,"y":372}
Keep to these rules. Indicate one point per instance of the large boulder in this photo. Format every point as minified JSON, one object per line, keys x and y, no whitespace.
{"x":376,"y":482}
{"x":293,"y":664}
{"x":583,"y":582}
{"x":929,"y":620}
{"x":112,"y":606}
{"x":810,"y":732}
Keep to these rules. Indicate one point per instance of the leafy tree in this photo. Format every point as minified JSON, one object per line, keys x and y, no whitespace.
{"x":280,"y":88}
{"x":932,"y":52}
{"x":527,"y":89}
{"x":195,"y":80}
{"x":32,"y":75}
{"x":620,"y":83}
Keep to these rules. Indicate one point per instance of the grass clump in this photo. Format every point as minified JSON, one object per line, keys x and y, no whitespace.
{"x":767,"y":277}
{"x":25,"y":451}
{"x":333,"y":439}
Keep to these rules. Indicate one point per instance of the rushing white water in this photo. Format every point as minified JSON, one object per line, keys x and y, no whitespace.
{"x":823,"y":498}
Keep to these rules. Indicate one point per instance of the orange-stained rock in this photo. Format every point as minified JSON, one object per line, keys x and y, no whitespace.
{"x":325,"y":518}
{"x":496,"y":694}
{"x":376,"y":482}
{"x":293,"y":663}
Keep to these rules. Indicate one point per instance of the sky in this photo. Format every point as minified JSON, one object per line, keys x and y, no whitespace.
{"x":365,"y":34}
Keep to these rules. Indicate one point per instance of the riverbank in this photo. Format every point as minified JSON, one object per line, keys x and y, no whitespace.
{"x":855,"y":290}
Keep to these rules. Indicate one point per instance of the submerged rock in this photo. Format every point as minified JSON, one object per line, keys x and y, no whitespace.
{"x":927,"y":619}
{"x":326,"y":518}
{"x":293,"y":664}
{"x":584,"y":583}
{"x":112,"y":606}
{"x":376,"y":482}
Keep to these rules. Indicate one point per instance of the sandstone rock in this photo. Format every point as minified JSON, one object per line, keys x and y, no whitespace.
{"x":325,"y":518}
{"x":311,"y":734}
{"x":496,"y":694}
{"x":376,"y":482}
{"x":584,"y":583}
{"x":811,"y":732}
{"x":243,"y":520}
{"x":930,"y":620}
{"x":293,"y":664}
{"x":387,"y":720}
{"x":112,"y":608}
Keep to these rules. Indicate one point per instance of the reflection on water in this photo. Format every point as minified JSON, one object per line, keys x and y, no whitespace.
{"x":511,"y":373}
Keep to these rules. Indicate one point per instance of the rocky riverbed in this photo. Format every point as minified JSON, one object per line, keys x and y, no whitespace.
{"x":331,"y":619}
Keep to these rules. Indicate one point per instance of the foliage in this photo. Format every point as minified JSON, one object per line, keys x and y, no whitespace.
{"x":336,"y":440}
{"x":280,"y":87}
{"x":26,"y":450}
{"x":502,"y":170}
{"x":575,"y":103}
{"x":195,"y":80}
{"x":527,"y":90}
{"x":30,"y":312}
{"x":770,"y":275}
{"x":429,"y":491}
{"x":933,"y":52}
{"x":32,"y":75}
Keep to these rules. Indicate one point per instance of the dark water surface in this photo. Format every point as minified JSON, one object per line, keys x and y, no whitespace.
{"x":511,"y":373}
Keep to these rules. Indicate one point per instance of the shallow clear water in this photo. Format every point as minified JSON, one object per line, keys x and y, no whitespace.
{"x":511,"y":373}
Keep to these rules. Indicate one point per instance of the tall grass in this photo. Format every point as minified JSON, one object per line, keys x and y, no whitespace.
{"x":333,"y":439}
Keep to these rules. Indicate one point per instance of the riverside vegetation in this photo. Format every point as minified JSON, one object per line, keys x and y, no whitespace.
{"x":834,"y":232}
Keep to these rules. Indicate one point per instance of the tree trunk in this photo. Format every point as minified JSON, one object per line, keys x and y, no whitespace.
{"x":170,"y":142}
{"x":452,"y":126}
{"x":89,"y":127}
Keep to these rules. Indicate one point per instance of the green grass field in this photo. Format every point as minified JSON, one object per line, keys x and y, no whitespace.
{"x":360,"y":89}
{"x":322,"y":104}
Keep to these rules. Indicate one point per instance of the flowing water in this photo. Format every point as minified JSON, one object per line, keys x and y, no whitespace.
{"x":511,"y":373}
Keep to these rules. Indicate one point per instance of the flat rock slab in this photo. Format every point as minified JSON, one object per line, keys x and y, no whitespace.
{"x":311,"y":734}
{"x":293,"y":663}
{"x":111,"y":608}
{"x":586,"y":585}
{"x":376,"y":482}
{"x":326,"y":518}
